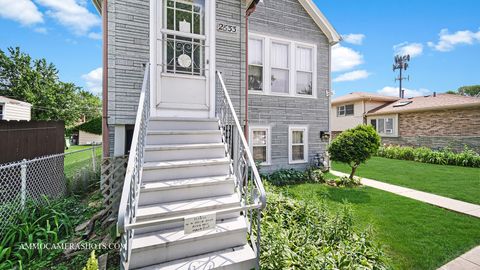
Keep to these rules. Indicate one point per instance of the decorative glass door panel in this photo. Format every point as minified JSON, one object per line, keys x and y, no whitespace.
{"x":184,"y":37}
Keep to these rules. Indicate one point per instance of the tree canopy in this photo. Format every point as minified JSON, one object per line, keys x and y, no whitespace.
{"x":36,"y":81}
{"x":470,"y":90}
{"x":355,"y":146}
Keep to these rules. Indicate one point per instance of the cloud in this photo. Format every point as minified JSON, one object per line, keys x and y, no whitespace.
{"x":413,"y":49}
{"x":41,"y":30}
{"x":447,"y":41}
{"x":393,"y":91}
{"x":93,"y":80}
{"x":22,"y":11}
{"x":344,"y":58}
{"x":356,"y":39}
{"x":72,"y":14}
{"x":94,"y":35}
{"x":352,"y":76}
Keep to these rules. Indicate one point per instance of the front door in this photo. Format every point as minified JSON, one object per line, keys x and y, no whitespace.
{"x":183,"y":54}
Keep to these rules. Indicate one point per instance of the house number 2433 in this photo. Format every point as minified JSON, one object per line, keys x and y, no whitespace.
{"x":227,"y":28}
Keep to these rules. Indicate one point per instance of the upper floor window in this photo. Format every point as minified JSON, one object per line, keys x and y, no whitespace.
{"x":255,"y":64}
{"x":281,"y":67}
{"x":345,"y":110}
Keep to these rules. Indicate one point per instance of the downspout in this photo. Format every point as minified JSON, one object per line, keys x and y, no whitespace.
{"x":248,"y":12}
{"x":105,"y":132}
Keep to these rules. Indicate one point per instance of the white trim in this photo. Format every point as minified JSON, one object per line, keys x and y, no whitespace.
{"x":292,"y":69}
{"x":119,"y":143}
{"x":268,"y":129}
{"x":305,"y":143}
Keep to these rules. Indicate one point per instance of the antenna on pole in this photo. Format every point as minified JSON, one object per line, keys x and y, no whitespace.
{"x":401,"y":63}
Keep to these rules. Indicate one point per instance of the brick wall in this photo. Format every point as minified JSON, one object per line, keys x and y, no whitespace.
{"x":437,"y":129}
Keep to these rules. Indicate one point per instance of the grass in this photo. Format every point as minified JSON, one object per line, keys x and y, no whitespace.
{"x":413,"y":234}
{"x":75,"y":162}
{"x":455,"y":182}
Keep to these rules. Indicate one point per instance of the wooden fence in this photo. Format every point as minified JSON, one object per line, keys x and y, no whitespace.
{"x":27,"y":140}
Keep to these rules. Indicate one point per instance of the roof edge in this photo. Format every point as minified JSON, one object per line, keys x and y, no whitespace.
{"x":98,"y":5}
{"x":321,"y":21}
{"x":454,"y":106}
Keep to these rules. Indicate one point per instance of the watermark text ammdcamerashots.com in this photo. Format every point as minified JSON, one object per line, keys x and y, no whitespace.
{"x":70,"y":246}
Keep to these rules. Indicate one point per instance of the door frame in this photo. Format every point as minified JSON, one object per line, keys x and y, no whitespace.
{"x":155,"y":57}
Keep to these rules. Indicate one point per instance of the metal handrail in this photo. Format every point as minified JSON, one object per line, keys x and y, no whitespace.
{"x":133,"y":177}
{"x":242,"y":166}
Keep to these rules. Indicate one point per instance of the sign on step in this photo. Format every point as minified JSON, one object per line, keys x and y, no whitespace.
{"x":194,"y":224}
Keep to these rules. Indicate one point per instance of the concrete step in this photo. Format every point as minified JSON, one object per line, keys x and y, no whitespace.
{"x":157,"y":171}
{"x":237,"y":258}
{"x":166,"y":137}
{"x":186,"y":189}
{"x":186,"y":207}
{"x":160,"y":123}
{"x":159,"y":247}
{"x":175,"y":152}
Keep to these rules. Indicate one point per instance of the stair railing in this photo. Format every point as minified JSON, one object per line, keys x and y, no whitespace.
{"x":127,"y":213}
{"x":243,"y":166}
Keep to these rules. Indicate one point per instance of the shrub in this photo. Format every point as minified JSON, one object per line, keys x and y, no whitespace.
{"x":297,"y":235}
{"x":466,"y":158}
{"x":345,"y":181}
{"x":92,"y":263}
{"x":285,"y":177}
{"x":93,"y":126}
{"x":355,"y":146}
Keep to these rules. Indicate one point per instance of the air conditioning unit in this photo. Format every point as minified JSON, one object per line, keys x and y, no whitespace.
{"x":389,"y":131}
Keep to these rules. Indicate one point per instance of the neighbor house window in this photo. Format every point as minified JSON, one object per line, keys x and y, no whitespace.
{"x":260,"y":144}
{"x":298,"y":141}
{"x":384,"y":126}
{"x":304,"y":68}
{"x":255,"y":64}
{"x":345,"y":110}
{"x":280,"y":79}
{"x":1,"y":112}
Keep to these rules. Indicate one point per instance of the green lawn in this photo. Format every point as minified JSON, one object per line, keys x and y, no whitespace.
{"x":414,"y":235}
{"x":76,"y":161}
{"x":461,"y":183}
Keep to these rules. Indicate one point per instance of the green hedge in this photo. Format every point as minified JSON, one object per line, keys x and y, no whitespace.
{"x":93,"y":126}
{"x":467,"y":158}
{"x":299,"y":235}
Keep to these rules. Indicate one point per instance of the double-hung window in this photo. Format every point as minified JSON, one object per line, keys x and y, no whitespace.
{"x":304,"y":71}
{"x":345,"y":110}
{"x":298,"y":144}
{"x":281,"y":67}
{"x":260,"y":144}
{"x":280,"y":72}
{"x":255,"y":64}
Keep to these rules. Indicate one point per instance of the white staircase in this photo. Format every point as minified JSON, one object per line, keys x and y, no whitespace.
{"x":186,"y":173}
{"x":180,"y":169}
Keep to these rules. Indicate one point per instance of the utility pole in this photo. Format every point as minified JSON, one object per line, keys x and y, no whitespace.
{"x":401,"y":63}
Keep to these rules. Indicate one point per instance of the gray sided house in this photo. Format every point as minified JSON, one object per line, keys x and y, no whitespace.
{"x":228,"y":84}
{"x":289,"y":70}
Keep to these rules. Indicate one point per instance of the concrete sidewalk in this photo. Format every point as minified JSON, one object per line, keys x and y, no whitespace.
{"x":468,"y":261}
{"x":440,"y":201}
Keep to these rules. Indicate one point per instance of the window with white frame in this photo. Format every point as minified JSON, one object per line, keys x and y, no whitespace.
{"x":304,"y":70}
{"x":298,"y":144}
{"x":255,"y":64}
{"x":280,"y":78}
{"x":384,"y":126}
{"x":281,"y":67}
{"x":260,"y":144}
{"x":345,"y":110}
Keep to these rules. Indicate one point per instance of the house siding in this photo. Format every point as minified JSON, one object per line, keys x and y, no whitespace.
{"x":128,"y":51}
{"x":288,"y":19}
{"x":437,"y":129}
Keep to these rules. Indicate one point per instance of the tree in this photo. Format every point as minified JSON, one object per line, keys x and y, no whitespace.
{"x":355,"y":146}
{"x":37,"y":82}
{"x":471,"y":90}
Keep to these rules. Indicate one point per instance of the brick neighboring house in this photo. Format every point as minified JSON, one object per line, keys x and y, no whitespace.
{"x":434,"y":121}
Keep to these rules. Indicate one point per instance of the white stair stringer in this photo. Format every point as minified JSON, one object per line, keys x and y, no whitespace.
{"x":186,"y":173}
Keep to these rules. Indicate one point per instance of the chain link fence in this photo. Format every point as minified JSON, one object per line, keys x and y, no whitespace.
{"x":51,"y":176}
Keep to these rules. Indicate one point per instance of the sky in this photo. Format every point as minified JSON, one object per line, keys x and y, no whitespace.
{"x":442,"y":37}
